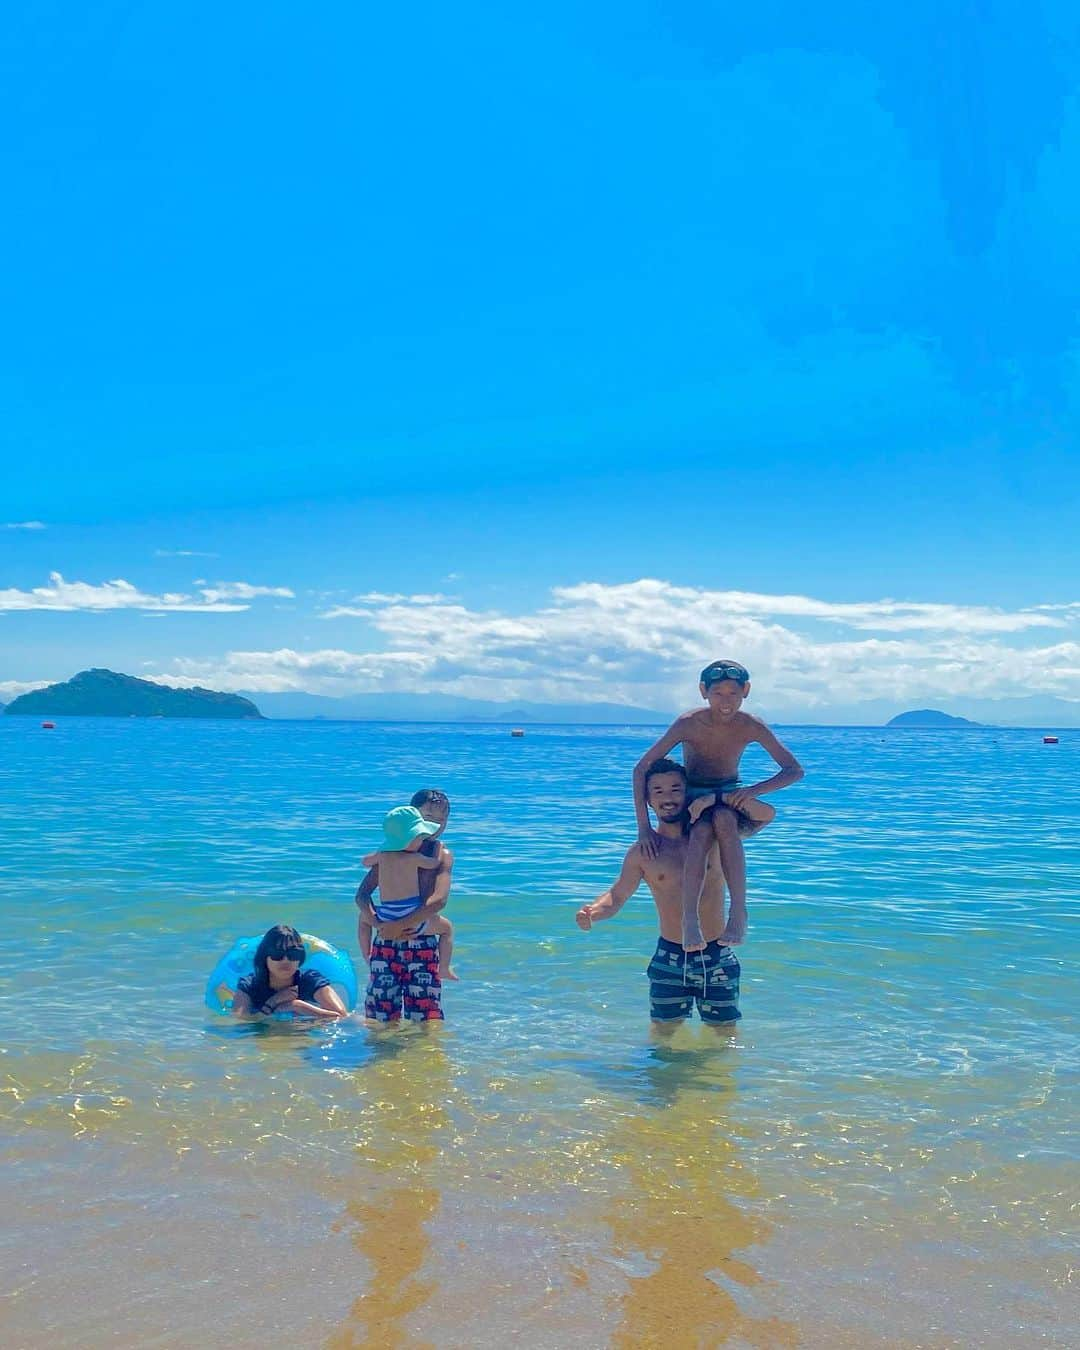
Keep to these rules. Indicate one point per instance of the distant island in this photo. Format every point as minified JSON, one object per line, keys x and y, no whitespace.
{"x":105,"y":693}
{"x":930,"y":717}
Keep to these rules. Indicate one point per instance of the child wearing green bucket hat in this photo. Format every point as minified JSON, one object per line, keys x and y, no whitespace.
{"x":399,"y":861}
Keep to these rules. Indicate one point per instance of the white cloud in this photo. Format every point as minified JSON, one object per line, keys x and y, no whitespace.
{"x":122,"y":595}
{"x":25,"y":525}
{"x":240,"y":590}
{"x":183,"y":553}
{"x":284,"y":670}
{"x":877,"y":615}
{"x":377,"y":599}
{"x":10,"y":689}
{"x":644,"y":642}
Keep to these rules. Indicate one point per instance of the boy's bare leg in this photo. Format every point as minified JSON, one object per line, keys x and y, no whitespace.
{"x":725,"y":826}
{"x":443,"y":929}
{"x":693,"y":881}
{"x":754,"y":814}
{"x":663,"y":1031}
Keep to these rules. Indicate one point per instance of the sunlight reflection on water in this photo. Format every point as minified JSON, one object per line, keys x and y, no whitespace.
{"x":903,"y":1063}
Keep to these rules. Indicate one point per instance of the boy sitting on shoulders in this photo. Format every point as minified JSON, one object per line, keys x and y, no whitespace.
{"x":713,"y":740}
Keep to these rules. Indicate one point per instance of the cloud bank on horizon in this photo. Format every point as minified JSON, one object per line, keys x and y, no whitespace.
{"x":643,"y":643}
{"x":639,"y":642}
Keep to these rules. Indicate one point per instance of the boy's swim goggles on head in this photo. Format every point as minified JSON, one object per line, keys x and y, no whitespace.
{"x":724,"y":670}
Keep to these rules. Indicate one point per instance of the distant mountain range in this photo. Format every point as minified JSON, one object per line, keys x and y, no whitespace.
{"x":1036,"y":711}
{"x":422,"y":707}
{"x":105,"y":693}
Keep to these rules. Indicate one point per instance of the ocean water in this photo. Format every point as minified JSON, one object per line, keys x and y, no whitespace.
{"x":884,"y":1155}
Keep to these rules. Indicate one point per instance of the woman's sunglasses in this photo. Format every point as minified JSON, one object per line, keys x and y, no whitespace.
{"x":288,"y":954}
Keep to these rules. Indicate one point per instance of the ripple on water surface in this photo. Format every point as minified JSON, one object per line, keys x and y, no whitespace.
{"x":902,"y":1072}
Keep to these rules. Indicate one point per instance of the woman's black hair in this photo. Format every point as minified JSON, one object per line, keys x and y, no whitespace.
{"x":275,"y":939}
{"x":426,"y":795}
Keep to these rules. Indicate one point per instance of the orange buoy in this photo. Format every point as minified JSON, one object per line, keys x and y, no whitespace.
{"x":517,"y":731}
{"x":48,"y":726}
{"x":1050,"y":740}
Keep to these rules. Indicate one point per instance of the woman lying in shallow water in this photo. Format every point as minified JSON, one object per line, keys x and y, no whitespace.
{"x":279,"y":982}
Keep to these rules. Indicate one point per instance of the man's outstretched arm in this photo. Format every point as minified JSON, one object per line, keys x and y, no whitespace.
{"x":613,"y":899}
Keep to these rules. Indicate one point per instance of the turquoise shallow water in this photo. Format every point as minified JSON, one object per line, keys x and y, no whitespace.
{"x":883,"y":1156}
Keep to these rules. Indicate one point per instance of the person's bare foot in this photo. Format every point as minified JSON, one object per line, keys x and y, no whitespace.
{"x":448,"y":974}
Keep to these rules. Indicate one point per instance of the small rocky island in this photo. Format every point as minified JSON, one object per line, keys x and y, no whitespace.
{"x":930,"y":717}
{"x":105,"y":693}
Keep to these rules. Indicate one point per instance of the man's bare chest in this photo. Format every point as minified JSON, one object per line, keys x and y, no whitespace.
{"x":666,"y":869}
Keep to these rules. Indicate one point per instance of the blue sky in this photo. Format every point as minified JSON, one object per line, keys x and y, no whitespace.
{"x":710,"y":312}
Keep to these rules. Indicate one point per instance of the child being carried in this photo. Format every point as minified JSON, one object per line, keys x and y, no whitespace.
{"x":399,"y":862}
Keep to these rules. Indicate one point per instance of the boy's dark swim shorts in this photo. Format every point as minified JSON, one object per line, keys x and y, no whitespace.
{"x":404,"y":978}
{"x":717,"y":789}
{"x":678,"y":980}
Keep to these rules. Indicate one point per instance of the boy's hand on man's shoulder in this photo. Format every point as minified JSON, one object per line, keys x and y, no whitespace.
{"x":649,"y":843}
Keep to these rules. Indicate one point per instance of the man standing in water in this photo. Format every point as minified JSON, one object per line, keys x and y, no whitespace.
{"x":678,"y":979}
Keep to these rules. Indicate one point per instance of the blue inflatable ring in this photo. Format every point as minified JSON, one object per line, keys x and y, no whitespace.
{"x":239,"y":960}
